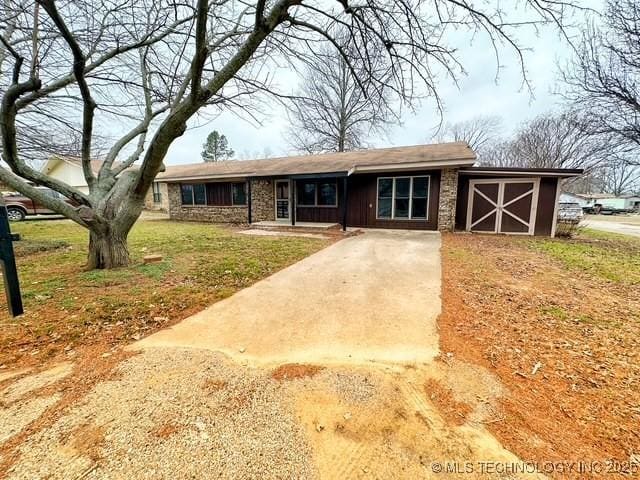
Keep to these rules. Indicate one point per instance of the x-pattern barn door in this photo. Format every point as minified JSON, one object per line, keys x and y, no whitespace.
{"x":503,"y":206}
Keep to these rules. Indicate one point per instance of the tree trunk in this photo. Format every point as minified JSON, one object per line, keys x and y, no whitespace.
{"x":107,"y":249}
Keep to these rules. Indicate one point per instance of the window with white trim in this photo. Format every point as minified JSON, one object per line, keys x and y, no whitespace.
{"x":403,"y":198}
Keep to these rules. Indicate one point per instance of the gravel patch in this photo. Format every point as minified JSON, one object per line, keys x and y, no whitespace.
{"x":185,"y":413}
{"x":30,"y":383}
{"x":351,"y":386}
{"x":17,"y":416}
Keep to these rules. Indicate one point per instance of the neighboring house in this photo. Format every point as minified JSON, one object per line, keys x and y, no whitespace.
{"x":429,"y":187}
{"x":158,"y":197}
{"x":581,"y":200}
{"x":69,"y":170}
{"x":621,"y":202}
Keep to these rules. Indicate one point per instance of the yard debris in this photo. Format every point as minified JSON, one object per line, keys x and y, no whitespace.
{"x":241,"y":349}
{"x":151,"y":259}
{"x":536,"y":367}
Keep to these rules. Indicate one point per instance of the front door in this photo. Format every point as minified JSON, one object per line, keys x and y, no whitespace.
{"x":502,"y":206}
{"x":282,"y":200}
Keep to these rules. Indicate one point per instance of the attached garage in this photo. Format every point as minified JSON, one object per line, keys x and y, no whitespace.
{"x":514,"y":201}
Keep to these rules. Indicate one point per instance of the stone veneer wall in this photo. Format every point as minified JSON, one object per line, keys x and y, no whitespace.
{"x":262,"y":200}
{"x":447,"y":202}
{"x":203,"y":213}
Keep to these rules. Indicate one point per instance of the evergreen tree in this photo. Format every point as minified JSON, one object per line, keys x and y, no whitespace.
{"x":216,"y":148}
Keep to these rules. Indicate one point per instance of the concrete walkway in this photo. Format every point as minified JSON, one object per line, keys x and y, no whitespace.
{"x":373,"y":297}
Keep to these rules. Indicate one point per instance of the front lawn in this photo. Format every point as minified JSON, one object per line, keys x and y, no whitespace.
{"x":68,"y":308}
{"x":610,"y":256}
{"x":558,"y":321}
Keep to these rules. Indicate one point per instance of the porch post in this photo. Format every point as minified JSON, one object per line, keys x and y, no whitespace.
{"x":344,"y":202}
{"x":292,"y":193}
{"x":249,"y":200}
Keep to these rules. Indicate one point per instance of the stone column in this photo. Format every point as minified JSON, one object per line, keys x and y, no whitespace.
{"x":262,"y":201}
{"x":447,"y":202}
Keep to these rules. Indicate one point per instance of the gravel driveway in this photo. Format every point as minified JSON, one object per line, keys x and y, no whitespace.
{"x":373,"y":297}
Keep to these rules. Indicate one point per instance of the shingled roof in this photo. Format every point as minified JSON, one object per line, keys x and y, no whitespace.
{"x":395,"y":158}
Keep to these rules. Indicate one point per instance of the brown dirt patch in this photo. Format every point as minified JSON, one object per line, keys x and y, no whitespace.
{"x":509,"y":308}
{"x":292,"y":371}
{"x":87,"y":440}
{"x":166,"y":430}
{"x":453,"y":411}
{"x":92,"y":367}
{"x":211,"y":385}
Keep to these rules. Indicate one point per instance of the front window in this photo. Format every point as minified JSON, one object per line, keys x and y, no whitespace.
{"x":157,"y":196}
{"x":403,"y":197}
{"x":317,"y":194}
{"x":307,"y":194}
{"x":193,"y":194}
{"x":239,"y":193}
{"x":186,"y":192}
{"x":327,"y":194}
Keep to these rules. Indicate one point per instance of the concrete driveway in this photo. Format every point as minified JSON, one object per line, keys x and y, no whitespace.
{"x":622,"y":225}
{"x":373,"y":297}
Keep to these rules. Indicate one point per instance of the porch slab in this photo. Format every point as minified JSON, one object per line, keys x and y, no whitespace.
{"x":275,"y":233}
{"x":305,"y":225}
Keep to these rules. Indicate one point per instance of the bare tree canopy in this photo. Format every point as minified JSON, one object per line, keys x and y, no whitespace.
{"x":216,"y":148}
{"x":551,"y":141}
{"x":479,"y":132}
{"x":128,"y":75}
{"x":604,"y":78}
{"x":333,"y":112}
{"x":618,"y":176}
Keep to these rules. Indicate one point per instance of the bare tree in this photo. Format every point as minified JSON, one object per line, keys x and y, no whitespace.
{"x":552,"y":141}
{"x":135,"y":72}
{"x":333,"y":110}
{"x":480,"y":133}
{"x":619,"y":176}
{"x":604,"y":77}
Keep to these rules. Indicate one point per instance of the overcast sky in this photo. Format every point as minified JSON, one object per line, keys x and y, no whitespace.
{"x":477,"y":94}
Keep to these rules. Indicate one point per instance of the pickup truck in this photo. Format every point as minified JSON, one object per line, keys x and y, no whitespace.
{"x":19,"y":206}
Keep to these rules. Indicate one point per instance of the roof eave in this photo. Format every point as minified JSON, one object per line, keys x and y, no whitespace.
{"x":426,"y":165}
{"x":524,"y":172}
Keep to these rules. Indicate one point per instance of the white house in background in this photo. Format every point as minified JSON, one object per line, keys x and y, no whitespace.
{"x":622,"y":202}
{"x":69,"y":171}
{"x":566,"y":197}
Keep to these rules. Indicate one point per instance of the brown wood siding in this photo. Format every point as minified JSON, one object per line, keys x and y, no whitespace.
{"x":362,"y":199}
{"x":322,"y":214}
{"x":545,"y":207}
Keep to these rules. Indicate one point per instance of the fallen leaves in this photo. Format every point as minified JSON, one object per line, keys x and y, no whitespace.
{"x":565,"y":342}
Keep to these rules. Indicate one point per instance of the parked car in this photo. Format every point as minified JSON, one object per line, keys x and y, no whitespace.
{"x":571,"y":212}
{"x":599,"y":209}
{"x":19,"y":206}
